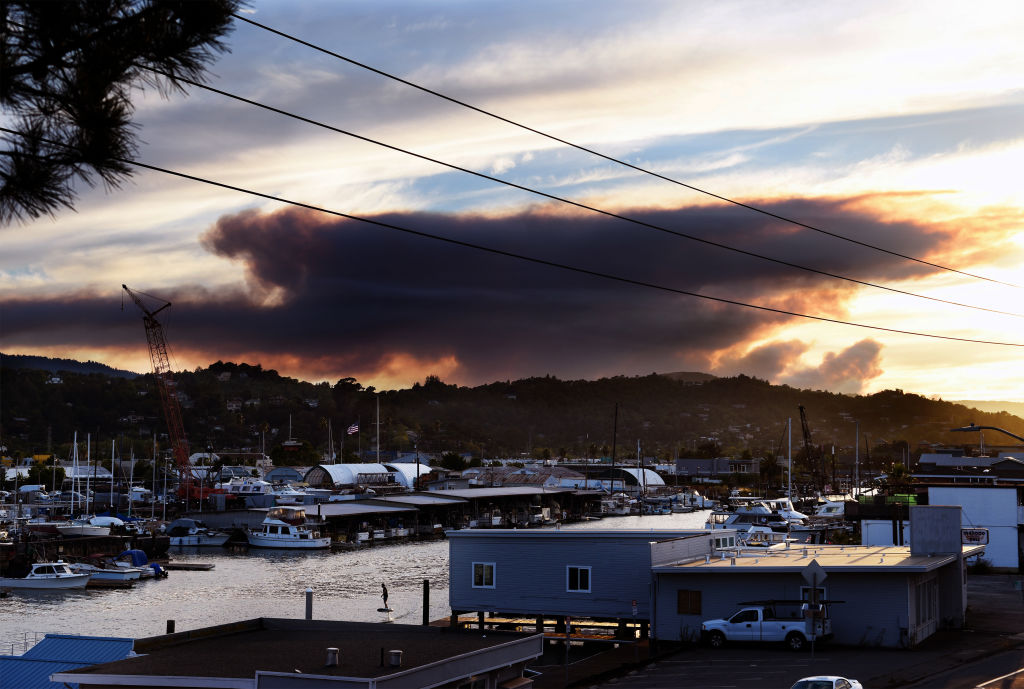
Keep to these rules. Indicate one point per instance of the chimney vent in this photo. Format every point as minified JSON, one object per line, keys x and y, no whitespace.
{"x":395,"y":658}
{"x":332,"y":657}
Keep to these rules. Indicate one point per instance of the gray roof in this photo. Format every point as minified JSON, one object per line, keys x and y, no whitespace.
{"x":421,"y":499}
{"x":508,"y":491}
{"x":59,"y":653}
{"x":238,"y":651}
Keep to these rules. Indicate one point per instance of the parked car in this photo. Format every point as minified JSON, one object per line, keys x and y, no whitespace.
{"x":827,"y":682}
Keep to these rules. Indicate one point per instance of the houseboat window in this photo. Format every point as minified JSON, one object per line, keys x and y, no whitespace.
{"x":483,"y":575}
{"x":688,"y":602}
{"x":578,"y":579}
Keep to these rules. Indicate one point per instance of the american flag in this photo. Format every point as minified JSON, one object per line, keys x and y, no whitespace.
{"x":354,"y":428}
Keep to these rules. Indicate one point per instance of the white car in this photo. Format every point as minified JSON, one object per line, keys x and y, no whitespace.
{"x":827,"y":682}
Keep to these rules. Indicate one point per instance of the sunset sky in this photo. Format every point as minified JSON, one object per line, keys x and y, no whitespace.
{"x":898,"y":125}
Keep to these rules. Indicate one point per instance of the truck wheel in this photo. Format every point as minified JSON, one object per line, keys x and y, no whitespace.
{"x":795,"y":641}
{"x":716,"y":639}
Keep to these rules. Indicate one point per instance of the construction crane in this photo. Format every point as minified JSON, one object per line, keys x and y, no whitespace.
{"x":812,"y":458}
{"x":187,"y":483}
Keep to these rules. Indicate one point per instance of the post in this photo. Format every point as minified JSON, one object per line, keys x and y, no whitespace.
{"x":789,"y":454}
{"x":170,"y":626}
{"x":568,"y":632}
{"x":309,"y":603}
{"x":426,"y":602}
{"x":856,"y":465}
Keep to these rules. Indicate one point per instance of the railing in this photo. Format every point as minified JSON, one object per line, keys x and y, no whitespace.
{"x":1020,"y":514}
{"x":28,"y":640}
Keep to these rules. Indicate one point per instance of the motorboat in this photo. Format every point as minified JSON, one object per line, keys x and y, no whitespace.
{"x":106,"y":571}
{"x":745,"y":516}
{"x":192,"y":532}
{"x":289,"y":495}
{"x":47,"y":576}
{"x":245,"y":487}
{"x":286,"y":527}
{"x":137,"y":559}
{"x":83,"y":527}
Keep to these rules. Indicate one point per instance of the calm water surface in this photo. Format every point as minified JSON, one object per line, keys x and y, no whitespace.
{"x":346,"y":586}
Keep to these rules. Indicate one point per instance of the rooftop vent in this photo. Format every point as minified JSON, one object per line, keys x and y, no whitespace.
{"x":395,"y":658}
{"x":332,"y":657}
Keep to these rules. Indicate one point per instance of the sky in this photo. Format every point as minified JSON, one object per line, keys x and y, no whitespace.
{"x":894,"y":125}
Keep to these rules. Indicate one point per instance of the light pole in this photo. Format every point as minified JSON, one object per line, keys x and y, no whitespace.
{"x":972,"y":427}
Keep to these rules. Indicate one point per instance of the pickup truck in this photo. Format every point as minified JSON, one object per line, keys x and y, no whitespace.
{"x":761,"y":623}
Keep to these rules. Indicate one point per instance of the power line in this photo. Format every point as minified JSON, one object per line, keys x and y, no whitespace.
{"x":578,"y":204}
{"x":612,"y":159}
{"x":541,"y":261}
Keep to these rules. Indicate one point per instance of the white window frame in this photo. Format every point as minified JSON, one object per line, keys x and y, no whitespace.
{"x":578,"y":568}
{"x":485,"y":565}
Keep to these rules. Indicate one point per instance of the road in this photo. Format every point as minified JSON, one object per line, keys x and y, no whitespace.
{"x":1001,"y":671}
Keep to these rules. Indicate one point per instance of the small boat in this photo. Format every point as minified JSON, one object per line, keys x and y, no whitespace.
{"x":106,"y":571}
{"x":83,"y":527}
{"x":289,"y":495}
{"x":47,"y":576}
{"x":192,"y":532}
{"x":286,"y":527}
{"x":137,"y":559}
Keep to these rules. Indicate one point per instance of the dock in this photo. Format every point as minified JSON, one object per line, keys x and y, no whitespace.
{"x":191,"y":566}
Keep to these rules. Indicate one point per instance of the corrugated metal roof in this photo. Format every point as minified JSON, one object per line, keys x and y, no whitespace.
{"x":59,"y":653}
{"x":80,"y":649}
{"x":19,"y":673}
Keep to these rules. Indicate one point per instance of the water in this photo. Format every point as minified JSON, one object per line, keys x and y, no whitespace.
{"x":346,"y":586}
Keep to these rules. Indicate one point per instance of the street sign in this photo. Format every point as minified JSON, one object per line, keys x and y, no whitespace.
{"x":813,"y":573}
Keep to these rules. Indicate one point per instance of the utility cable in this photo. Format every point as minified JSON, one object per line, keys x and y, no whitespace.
{"x":612,"y":159}
{"x":577,"y":204}
{"x":540,"y":261}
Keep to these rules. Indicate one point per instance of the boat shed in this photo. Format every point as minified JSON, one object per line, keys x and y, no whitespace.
{"x":407,"y":473}
{"x":335,"y":476}
{"x":885,"y":596}
{"x":272,"y":653}
{"x":286,"y":474}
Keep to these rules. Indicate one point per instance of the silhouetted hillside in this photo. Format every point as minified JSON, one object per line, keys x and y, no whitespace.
{"x":236,"y":406}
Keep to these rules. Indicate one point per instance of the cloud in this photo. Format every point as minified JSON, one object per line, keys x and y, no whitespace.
{"x":850,"y":371}
{"x":326,"y":297}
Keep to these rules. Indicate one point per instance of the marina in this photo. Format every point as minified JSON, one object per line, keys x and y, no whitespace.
{"x":272,"y":583}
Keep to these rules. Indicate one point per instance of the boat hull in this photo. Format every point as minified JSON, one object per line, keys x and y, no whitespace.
{"x":261,"y":541}
{"x":201,"y":540}
{"x":65,"y":582}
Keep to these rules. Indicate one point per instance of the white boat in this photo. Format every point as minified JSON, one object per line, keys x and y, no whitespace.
{"x":82,"y":527}
{"x":47,"y":575}
{"x":191,"y":532}
{"x":286,"y":527}
{"x":245,"y":487}
{"x":745,"y":516}
{"x":289,"y":495}
{"x":103,"y":571}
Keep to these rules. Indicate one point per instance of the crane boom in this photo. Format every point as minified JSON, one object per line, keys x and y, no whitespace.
{"x":168,"y":390}
{"x":812,"y":459}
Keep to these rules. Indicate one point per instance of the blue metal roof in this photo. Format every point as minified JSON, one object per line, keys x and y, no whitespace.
{"x":89,"y":650}
{"x":59,"y":653}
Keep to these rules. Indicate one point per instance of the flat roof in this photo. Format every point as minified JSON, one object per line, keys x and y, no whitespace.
{"x":649,"y":534}
{"x":242,"y":649}
{"x":501,"y":491}
{"x":833,"y":558}
{"x":353,"y":507}
{"x":422,"y":500}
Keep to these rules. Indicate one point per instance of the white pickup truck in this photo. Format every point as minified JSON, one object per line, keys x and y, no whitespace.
{"x":762,"y":623}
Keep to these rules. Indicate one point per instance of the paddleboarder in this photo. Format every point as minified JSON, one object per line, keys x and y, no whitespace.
{"x":384,"y":594}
